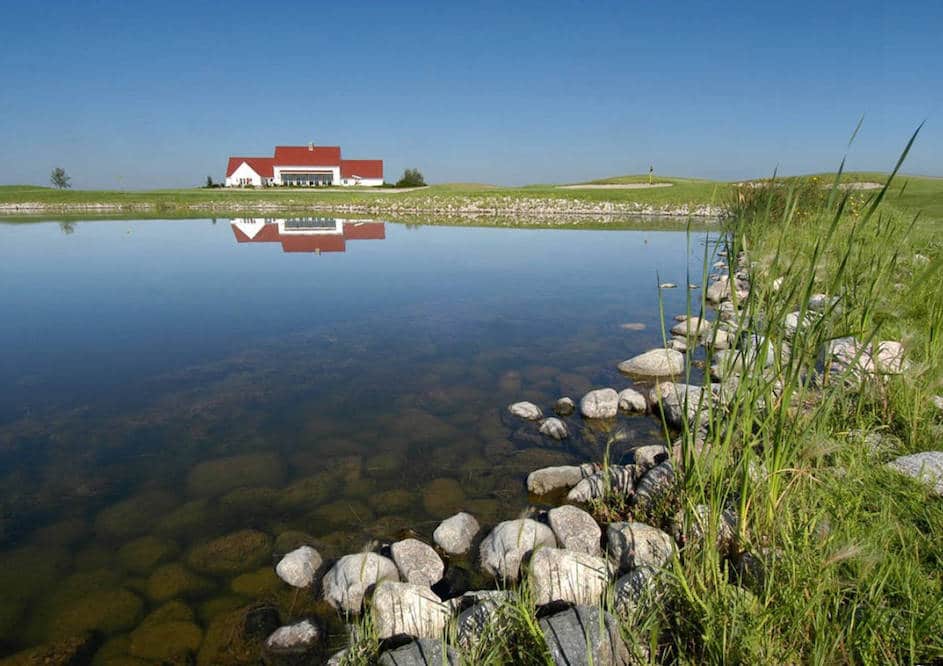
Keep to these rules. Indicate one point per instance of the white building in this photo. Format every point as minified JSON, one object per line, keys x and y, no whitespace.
{"x":303,"y":166}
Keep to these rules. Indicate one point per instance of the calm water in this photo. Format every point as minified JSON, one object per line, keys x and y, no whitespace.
{"x":165,"y":383}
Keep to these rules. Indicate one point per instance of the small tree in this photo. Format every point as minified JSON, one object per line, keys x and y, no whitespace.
{"x":209,"y":181}
{"x":411,"y":178}
{"x":59,"y":179}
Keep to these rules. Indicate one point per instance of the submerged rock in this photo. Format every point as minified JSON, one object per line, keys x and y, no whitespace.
{"x":108,"y":611}
{"x":299,"y":567}
{"x":600,"y":404}
{"x":426,"y":652}
{"x":347,"y":581}
{"x":548,"y":479}
{"x":216,"y":477}
{"x":634,"y":545}
{"x":299,"y":643}
{"x":559,"y":575}
{"x":654,"y":363}
{"x":142,"y":555}
{"x":584,"y":635}
{"x":165,"y":641}
{"x":505,"y":548}
{"x":554,"y":428}
{"x":575,"y":529}
{"x":442,"y":496}
{"x":526,"y":410}
{"x":405,"y":609}
{"x":417,"y":562}
{"x":239,"y":551}
{"x":454,"y":535}
{"x":173,"y":580}
{"x":926,"y":467}
{"x":564,"y":407}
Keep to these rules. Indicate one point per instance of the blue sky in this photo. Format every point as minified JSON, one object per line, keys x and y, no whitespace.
{"x":129,"y":95}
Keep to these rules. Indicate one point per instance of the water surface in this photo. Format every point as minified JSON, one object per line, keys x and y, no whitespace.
{"x":169,"y":382}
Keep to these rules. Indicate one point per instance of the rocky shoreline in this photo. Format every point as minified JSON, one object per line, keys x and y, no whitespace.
{"x":529,"y":207}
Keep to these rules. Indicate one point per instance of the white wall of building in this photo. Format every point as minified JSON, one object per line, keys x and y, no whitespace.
{"x":244,"y":175}
{"x":363,"y":182}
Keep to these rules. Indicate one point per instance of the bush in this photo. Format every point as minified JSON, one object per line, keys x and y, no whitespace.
{"x":411,"y":178}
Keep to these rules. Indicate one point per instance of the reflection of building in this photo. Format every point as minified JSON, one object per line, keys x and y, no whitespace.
{"x":305,"y":166}
{"x":306,"y":234}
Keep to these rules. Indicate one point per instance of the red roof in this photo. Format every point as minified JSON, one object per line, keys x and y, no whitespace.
{"x":261,"y":165}
{"x":362,"y":169}
{"x":307,"y":156}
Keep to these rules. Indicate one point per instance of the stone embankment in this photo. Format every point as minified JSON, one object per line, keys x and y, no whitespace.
{"x":527,"y":207}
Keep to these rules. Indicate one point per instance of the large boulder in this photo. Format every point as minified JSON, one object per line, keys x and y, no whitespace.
{"x":526,"y":410}
{"x":417,"y":562}
{"x":425,"y":652}
{"x":600,"y":404}
{"x":584,"y":635}
{"x":548,"y":479}
{"x":634,"y":545}
{"x":683,"y":403}
{"x":299,"y":567}
{"x":505,"y":548}
{"x":926,"y":467}
{"x":654,"y":484}
{"x":654,"y":363}
{"x":454,"y":535}
{"x":348,"y":580}
{"x":558,"y":575}
{"x":575,"y":529}
{"x":404,"y":609}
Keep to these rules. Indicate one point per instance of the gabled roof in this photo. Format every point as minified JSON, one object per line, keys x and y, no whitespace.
{"x":307,"y":155}
{"x":261,"y":165}
{"x":362,"y":169}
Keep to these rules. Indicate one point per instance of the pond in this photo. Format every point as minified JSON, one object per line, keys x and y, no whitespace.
{"x":167,"y":382}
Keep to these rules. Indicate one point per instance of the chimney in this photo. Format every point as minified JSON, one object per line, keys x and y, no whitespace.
{"x":311,"y":146}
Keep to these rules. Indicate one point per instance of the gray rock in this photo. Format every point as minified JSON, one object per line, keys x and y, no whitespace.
{"x":347,"y":581}
{"x":631,"y":400}
{"x":548,"y":479}
{"x":294,"y":643}
{"x":630,"y":591}
{"x":699,"y":524}
{"x":417,"y":562}
{"x":554,"y":428}
{"x":693,"y":327}
{"x":678,"y":344}
{"x":634,"y":545}
{"x":600,"y":404}
{"x":454,"y":535}
{"x":889,"y":357}
{"x":654,"y":484}
{"x":472,"y":621}
{"x":647,"y":457}
{"x":654,"y":363}
{"x":938,"y":402}
{"x":337,"y":658}
{"x":718,"y":291}
{"x":683,"y":403}
{"x":575,"y":529}
{"x":405,"y":609}
{"x":584,"y":635}
{"x":616,"y":479}
{"x":559,"y":575}
{"x":526,"y":410}
{"x":564,"y":407}
{"x":792,"y":324}
{"x":421,"y":653}
{"x":926,"y":467}
{"x":299,"y":567}
{"x":848,"y":353}
{"x":505,"y":548}
{"x":668,"y":285}
{"x":821,"y":302}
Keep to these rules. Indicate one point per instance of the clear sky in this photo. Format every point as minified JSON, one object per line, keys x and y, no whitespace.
{"x":158,"y":94}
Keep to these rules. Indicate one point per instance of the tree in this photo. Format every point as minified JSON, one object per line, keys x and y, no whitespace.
{"x":411,"y":178}
{"x":209,"y":181}
{"x":59,"y":179}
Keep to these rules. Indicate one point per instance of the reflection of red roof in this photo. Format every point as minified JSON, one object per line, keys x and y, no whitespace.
{"x":307,"y":156}
{"x":261,"y":165}
{"x":362,"y":169}
{"x":313,"y":242}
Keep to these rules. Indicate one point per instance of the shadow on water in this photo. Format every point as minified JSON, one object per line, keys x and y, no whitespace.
{"x":227,"y":402}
